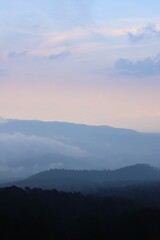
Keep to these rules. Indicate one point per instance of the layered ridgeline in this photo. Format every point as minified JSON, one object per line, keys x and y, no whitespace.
{"x":29,"y":147}
{"x":91,"y":180}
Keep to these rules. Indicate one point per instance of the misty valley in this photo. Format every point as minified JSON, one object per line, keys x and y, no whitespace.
{"x":29,"y":147}
{"x":73,"y":181}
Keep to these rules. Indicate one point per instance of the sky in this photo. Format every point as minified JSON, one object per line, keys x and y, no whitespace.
{"x":95,"y":62}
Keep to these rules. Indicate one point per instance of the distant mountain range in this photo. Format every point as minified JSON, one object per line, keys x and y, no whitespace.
{"x":52,"y":129}
{"x":86,"y":180}
{"x":28,"y":147}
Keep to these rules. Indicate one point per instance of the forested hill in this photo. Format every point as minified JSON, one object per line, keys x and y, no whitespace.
{"x":49,"y":214}
{"x":79,"y":180}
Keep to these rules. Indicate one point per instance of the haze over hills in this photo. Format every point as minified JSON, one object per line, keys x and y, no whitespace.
{"x":28,"y":147}
{"x":86,"y":180}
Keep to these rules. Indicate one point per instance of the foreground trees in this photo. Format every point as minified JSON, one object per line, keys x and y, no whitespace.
{"x":44,"y":214}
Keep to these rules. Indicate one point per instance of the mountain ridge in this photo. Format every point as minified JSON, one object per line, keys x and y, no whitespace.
{"x":28,"y":147}
{"x":14,"y":124}
{"x":77,"y":180}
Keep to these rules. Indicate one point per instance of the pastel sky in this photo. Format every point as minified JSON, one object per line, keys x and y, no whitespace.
{"x":86,"y":61}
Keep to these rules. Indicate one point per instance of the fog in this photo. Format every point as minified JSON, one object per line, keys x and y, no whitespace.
{"x":27,"y":147}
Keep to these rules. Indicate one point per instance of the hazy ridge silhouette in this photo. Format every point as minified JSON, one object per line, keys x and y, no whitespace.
{"x":28,"y":147}
{"x":90,"y":180}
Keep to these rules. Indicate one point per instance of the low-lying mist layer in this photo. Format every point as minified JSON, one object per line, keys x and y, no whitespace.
{"x":27,"y":147}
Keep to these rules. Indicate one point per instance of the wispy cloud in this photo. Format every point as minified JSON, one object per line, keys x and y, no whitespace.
{"x":14,"y":54}
{"x":58,"y":56}
{"x":150,"y":30}
{"x":145,"y":67}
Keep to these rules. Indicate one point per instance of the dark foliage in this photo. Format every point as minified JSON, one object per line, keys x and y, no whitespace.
{"x":49,"y":214}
